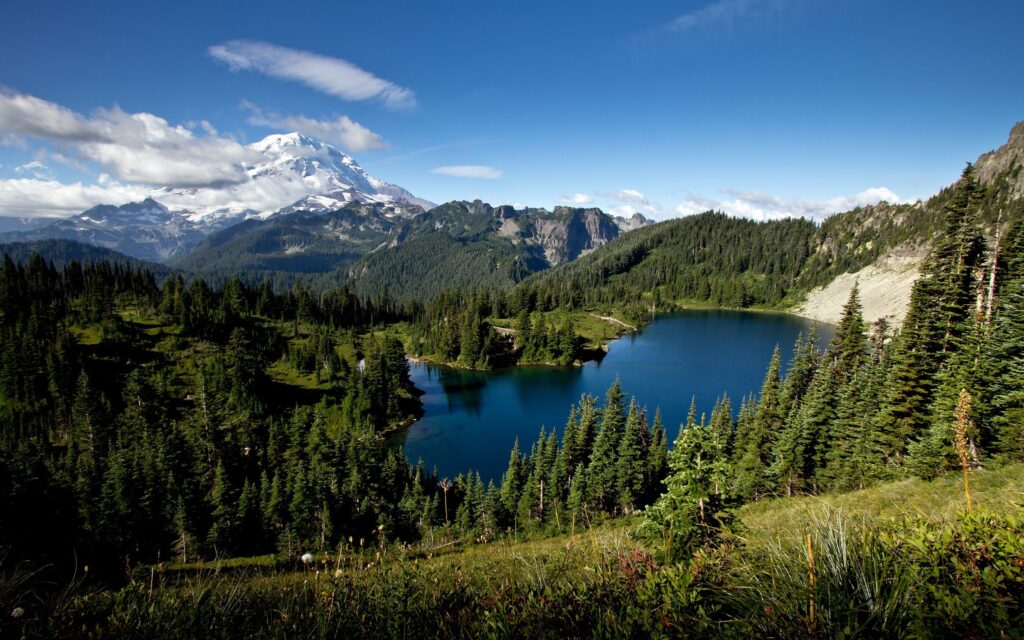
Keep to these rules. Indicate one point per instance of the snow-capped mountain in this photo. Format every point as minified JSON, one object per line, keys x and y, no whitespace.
{"x":292,"y":173}
{"x":298,"y":173}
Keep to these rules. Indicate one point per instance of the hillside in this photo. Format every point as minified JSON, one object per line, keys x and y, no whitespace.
{"x":883,"y":246}
{"x":63,"y":252}
{"x":299,"y":242}
{"x":472,"y":244}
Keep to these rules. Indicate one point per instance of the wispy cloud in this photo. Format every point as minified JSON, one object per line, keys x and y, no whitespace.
{"x":36,"y":168}
{"x":341,"y":131}
{"x":763,"y":206}
{"x":576,"y":199}
{"x":478,"y":171}
{"x":137,"y":147}
{"x":726,"y":13}
{"x":333,"y":76}
{"x":629,"y":195}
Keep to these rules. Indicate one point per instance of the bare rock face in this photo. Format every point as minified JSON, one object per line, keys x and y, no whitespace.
{"x":562,"y":235}
{"x":1006,"y":158}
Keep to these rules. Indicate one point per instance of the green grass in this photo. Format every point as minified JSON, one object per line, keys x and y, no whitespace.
{"x":282,"y":372}
{"x":89,"y":335}
{"x":998,"y":490}
{"x":898,"y":560}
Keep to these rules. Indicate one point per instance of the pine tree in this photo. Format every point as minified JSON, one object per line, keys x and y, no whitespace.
{"x":847,"y":349}
{"x":1006,"y":387}
{"x":754,"y":447}
{"x":511,"y":487}
{"x":722,"y":423}
{"x":657,"y":460}
{"x":602,"y":470}
{"x":632,"y":469}
{"x":224,"y":511}
{"x":693,"y":511}
{"x":578,"y":496}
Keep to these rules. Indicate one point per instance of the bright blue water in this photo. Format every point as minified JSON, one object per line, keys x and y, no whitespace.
{"x":472,"y":418}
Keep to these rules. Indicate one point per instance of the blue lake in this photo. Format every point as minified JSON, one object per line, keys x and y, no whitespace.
{"x":472,"y":418}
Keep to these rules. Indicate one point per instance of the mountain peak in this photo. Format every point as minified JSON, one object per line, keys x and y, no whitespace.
{"x":279,"y":142}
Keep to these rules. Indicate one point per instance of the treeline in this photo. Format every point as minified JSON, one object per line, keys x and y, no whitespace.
{"x":139,"y":423}
{"x":609,"y":461}
{"x":852,"y":240}
{"x":456,"y":328}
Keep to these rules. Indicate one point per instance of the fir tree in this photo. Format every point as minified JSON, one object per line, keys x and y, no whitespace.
{"x":631,"y":475}
{"x":693,"y":511}
{"x":602,"y":470}
{"x":754,"y":447}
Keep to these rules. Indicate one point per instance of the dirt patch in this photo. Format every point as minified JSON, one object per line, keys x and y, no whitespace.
{"x":884,"y":290}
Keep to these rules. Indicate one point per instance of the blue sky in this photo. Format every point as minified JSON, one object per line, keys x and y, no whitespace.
{"x":759,"y":107}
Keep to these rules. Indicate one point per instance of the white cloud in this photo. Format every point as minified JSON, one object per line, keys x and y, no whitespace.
{"x":333,"y":76}
{"x":627,"y":210}
{"x":695,"y":204}
{"x":633,"y":201}
{"x":629,"y":195}
{"x":342,"y":131}
{"x":138,"y":147}
{"x":31,"y":197}
{"x":576,"y":199}
{"x":763,"y":206}
{"x":725,"y":13}
{"x":29,"y":115}
{"x":479,"y":171}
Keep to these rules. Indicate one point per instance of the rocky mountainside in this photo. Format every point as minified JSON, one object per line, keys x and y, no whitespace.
{"x":559,"y":236}
{"x":303,"y":242}
{"x":710,"y":258}
{"x":1006,"y":160}
{"x":472,"y":244}
{"x":370,"y":241}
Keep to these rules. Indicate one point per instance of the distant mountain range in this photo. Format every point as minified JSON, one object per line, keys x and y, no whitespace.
{"x":298,"y":174}
{"x":407,"y":250}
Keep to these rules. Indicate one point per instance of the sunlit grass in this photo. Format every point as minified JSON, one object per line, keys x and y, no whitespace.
{"x":999,"y":490}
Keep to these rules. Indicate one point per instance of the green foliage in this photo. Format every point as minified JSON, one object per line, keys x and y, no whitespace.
{"x":694,"y":510}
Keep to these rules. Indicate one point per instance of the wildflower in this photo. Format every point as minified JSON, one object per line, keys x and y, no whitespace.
{"x":307,"y":558}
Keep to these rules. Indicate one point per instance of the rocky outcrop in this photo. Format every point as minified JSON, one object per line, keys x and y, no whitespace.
{"x":1006,"y":158}
{"x":569,"y":233}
